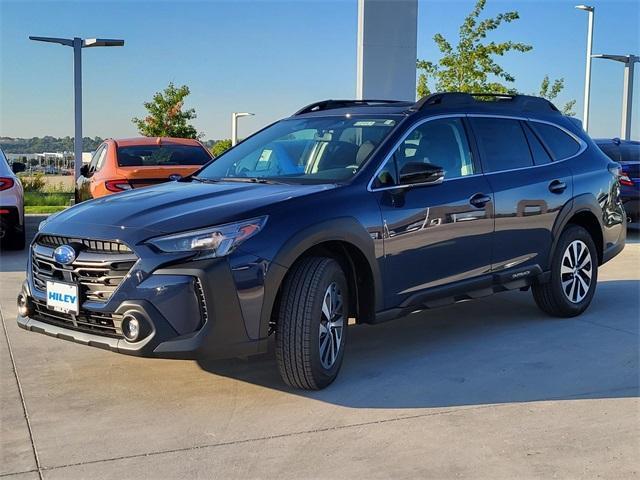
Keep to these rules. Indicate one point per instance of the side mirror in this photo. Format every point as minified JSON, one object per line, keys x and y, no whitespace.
{"x":417,"y":172}
{"x":84,"y":170}
{"x":18,"y":167}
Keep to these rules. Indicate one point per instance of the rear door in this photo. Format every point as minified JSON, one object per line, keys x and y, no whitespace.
{"x":529,"y":186}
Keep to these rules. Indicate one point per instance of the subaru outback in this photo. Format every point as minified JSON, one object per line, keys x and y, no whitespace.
{"x":348,"y":211}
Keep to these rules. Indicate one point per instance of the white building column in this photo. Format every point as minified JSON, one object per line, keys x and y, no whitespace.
{"x":387,"y":49}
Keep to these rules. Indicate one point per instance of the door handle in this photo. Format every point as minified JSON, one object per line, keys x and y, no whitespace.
{"x":479,"y":200}
{"x":557,"y":186}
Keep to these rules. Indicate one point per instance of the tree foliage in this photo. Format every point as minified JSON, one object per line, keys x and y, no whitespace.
{"x":551,"y":90}
{"x":46,"y":144}
{"x":470,"y":65}
{"x":220,"y":147}
{"x":166,"y":116}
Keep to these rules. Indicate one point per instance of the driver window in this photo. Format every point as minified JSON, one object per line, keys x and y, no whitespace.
{"x":441,"y":142}
{"x":96,"y":159}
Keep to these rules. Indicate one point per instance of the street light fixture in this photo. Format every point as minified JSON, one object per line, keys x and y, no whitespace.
{"x":627,"y":90}
{"x":234,"y":125}
{"x":78,"y":44}
{"x":587,"y":80}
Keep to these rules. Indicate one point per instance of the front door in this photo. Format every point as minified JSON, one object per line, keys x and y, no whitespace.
{"x":434,"y":234}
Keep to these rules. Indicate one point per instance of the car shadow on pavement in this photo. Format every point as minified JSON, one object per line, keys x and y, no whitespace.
{"x":500,"y":349}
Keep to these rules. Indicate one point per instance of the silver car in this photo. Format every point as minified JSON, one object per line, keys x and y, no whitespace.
{"x":11,"y":205}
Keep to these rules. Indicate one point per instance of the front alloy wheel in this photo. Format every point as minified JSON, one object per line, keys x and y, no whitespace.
{"x":311,"y":323}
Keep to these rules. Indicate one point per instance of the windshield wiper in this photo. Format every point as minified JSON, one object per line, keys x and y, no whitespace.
{"x":204,"y":180}
{"x":250,"y":180}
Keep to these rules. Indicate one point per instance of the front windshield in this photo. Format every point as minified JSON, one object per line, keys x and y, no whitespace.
{"x":310,"y":150}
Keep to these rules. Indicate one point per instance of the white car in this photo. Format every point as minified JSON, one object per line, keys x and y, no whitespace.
{"x":12,"y":234}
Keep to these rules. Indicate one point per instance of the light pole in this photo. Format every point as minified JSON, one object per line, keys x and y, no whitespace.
{"x":78,"y":44}
{"x":627,"y":90}
{"x":587,"y":76}
{"x":234,"y":125}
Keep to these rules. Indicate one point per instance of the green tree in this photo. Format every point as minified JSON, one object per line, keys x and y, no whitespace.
{"x":470,"y":66}
{"x":550,"y":91}
{"x":166,"y":117}
{"x":220,"y":147}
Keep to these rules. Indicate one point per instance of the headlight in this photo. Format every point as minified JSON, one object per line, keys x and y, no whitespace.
{"x":210,"y":242}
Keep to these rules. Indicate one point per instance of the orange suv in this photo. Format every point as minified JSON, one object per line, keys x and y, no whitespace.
{"x":119,"y":165}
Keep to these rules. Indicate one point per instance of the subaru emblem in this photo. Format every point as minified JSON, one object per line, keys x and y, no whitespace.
{"x":64,"y":254}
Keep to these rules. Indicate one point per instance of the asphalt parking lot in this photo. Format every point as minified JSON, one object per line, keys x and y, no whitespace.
{"x":490,"y":389}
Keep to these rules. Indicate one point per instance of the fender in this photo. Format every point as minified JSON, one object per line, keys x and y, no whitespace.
{"x":345,"y":229}
{"x":585,"y":202}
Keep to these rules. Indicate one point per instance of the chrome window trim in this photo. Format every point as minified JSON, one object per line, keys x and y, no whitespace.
{"x":583,"y":146}
{"x":399,"y":142}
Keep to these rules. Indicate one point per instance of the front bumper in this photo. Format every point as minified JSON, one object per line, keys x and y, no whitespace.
{"x":192,"y":310}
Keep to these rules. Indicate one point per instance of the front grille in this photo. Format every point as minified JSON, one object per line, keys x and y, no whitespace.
{"x":97,"y":246}
{"x":97,"y":275}
{"x":105,"y":324}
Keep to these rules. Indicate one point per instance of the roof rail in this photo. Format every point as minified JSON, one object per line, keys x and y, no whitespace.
{"x":460,"y":99}
{"x":331,"y":104}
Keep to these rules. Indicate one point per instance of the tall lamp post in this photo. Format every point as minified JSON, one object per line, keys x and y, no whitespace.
{"x":627,"y":90}
{"x":78,"y":44}
{"x":587,"y":76}
{"x":234,"y":125}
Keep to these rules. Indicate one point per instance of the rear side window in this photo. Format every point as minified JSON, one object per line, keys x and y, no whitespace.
{"x":161,"y":155}
{"x":540,"y":155}
{"x":502,"y":144}
{"x":560,"y":144}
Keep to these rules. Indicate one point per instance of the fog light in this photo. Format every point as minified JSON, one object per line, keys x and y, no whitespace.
{"x":25,"y":305}
{"x":131,"y":328}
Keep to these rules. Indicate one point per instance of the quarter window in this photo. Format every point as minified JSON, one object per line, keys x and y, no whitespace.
{"x":557,"y":142}
{"x":540,"y":155}
{"x":502,"y":144}
{"x":440,"y":142}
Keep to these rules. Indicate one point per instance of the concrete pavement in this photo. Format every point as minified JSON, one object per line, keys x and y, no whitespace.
{"x":486,"y":389}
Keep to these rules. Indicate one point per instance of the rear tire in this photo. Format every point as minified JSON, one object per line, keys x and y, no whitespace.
{"x":574,"y":275}
{"x":311,"y":324}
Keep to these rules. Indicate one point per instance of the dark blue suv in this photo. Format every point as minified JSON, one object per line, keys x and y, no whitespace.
{"x":346,"y":211}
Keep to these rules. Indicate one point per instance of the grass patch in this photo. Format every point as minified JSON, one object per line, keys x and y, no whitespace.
{"x":58,"y":199}
{"x":43,"y":208}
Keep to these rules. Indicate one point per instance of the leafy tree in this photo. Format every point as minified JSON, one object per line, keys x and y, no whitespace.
{"x":469,"y":66}
{"x":550,"y":91}
{"x":166,"y":117}
{"x":220,"y":147}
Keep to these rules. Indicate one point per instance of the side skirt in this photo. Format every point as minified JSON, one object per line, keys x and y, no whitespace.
{"x":483,"y":286}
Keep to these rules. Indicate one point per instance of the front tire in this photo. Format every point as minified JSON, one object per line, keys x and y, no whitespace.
{"x":311,"y":325}
{"x":574,"y":275}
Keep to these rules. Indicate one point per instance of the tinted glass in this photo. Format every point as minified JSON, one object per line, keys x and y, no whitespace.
{"x":438,"y":142}
{"x":558,"y":142}
{"x":161,"y":155}
{"x":630,"y":153}
{"x":303,"y":150}
{"x":502,"y":144}
{"x":611,"y":150}
{"x":540,"y":155}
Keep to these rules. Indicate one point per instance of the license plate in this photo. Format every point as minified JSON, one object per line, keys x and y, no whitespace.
{"x":63,"y":297}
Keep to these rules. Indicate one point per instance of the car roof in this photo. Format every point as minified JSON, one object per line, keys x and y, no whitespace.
{"x":615,"y":141}
{"x":435,"y":104}
{"x":144,"y":141}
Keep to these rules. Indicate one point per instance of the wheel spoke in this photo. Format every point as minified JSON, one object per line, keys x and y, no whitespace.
{"x":326,"y":306}
{"x":584,"y":284}
{"x":331,"y":325}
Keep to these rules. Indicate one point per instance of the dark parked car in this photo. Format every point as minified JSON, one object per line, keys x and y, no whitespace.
{"x":368,"y":210}
{"x":627,"y":154}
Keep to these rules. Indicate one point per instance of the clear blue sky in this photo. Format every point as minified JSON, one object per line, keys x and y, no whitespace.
{"x":269,"y":57}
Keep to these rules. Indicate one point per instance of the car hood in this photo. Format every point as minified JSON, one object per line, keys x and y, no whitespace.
{"x":172,"y":207}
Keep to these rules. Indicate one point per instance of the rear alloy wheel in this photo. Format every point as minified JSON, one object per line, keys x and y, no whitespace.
{"x":311,"y":324}
{"x":574,"y":274}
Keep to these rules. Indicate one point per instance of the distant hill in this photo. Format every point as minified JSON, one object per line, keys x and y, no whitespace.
{"x":46,"y":144}
{"x":53,"y":144}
